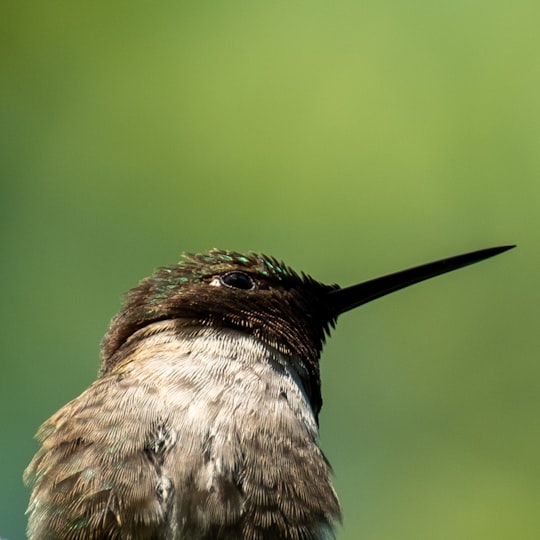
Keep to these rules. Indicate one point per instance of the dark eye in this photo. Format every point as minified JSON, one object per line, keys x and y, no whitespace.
{"x":238,"y":280}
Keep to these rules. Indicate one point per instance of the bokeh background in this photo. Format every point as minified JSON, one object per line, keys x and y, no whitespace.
{"x":350,"y":139}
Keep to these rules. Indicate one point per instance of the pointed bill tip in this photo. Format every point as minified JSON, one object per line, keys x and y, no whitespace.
{"x":496,"y":250}
{"x":342,"y":300}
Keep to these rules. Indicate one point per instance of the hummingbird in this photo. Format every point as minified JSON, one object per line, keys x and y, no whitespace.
{"x":203,"y":421}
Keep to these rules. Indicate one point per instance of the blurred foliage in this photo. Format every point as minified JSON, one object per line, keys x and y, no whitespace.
{"x":350,"y":139}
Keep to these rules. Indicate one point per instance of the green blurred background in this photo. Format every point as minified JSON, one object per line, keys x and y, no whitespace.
{"x":350,"y":139}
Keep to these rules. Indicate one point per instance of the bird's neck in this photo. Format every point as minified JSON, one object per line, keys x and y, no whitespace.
{"x":244,"y":372}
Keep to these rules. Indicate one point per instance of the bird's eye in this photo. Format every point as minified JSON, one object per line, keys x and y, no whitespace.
{"x":238,"y":280}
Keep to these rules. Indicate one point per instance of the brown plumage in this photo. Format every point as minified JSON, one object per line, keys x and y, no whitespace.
{"x":202,"y":424}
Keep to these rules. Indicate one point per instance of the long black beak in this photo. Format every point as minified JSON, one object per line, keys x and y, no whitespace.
{"x":342,"y":300}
